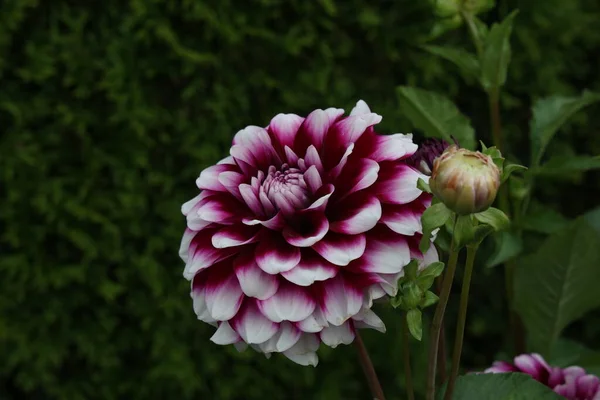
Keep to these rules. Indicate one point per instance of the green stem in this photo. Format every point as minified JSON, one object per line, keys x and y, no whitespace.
{"x":438,"y":318}
{"x":494,"y":100}
{"x":515,"y":323}
{"x":441,"y":360}
{"x":462,"y":318}
{"x":368,"y":369}
{"x":473,"y":31}
{"x":410,"y":393}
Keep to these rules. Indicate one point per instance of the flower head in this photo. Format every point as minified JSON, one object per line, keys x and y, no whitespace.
{"x":295,"y":234}
{"x":465,"y":181}
{"x":572,"y":383}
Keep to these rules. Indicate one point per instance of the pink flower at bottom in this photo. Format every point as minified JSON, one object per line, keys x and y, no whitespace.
{"x":294,"y":235}
{"x":572,"y":383}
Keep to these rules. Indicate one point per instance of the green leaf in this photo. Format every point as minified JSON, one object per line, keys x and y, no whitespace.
{"x":559,"y":283}
{"x":509,"y":169}
{"x":493,"y":217}
{"x":422,"y":185}
{"x":543,"y":219}
{"x":433,"y":217}
{"x":464,"y":232}
{"x":549,"y":114}
{"x":434,"y":269}
{"x":496,"y":54}
{"x":436,"y":116}
{"x":507,"y":386}
{"x":429,"y":299}
{"x":410,"y":270}
{"x":465,"y":61}
{"x":568,"y":164}
{"x":481,"y":232}
{"x":508,"y":246}
{"x":415,"y":325}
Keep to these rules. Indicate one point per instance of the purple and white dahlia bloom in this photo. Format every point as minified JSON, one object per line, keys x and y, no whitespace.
{"x":573,"y":383}
{"x":295,"y":234}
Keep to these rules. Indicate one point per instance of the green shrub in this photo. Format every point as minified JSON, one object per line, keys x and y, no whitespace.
{"x":108,"y":112}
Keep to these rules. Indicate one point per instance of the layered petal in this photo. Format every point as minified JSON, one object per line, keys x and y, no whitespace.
{"x":254,"y":282}
{"x":275,"y":255}
{"x":397,"y":183}
{"x":289,"y":303}
{"x":252,"y":326}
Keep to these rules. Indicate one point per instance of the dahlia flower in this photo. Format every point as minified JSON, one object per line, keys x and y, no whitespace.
{"x":294,"y":235}
{"x":572,"y":382}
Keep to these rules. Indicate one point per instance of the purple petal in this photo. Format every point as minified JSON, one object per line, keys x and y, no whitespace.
{"x":333,"y":335}
{"x":275,"y":223}
{"x":234,"y":235}
{"x":366,"y":318}
{"x":310,"y":269}
{"x":315,"y":128}
{"x":349,"y":130}
{"x":336,"y":171}
{"x":202,"y":254}
{"x":253,"y":280}
{"x":290,"y":303}
{"x":385,"y":253}
{"x":322,"y":198}
{"x":221,"y":208}
{"x":501,"y":367}
{"x":393,"y":147}
{"x":313,"y":180}
{"x":304,"y":351}
{"x":359,"y":214}
{"x":361,"y":108}
{"x":291,"y":157}
{"x":253,"y":145}
{"x":274,"y":255}
{"x":403,"y":219}
{"x":287,"y":336}
{"x":283,"y":128}
{"x":225,"y":334}
{"x":341,"y":249}
{"x":587,"y":386}
{"x":340,"y":299}
{"x":199,"y":300}
{"x":531,"y":366}
{"x":223,"y":295}
{"x":360,"y":175}
{"x":314,"y":322}
{"x":250,"y":197}
{"x":231,"y":181}
{"x":312,"y":159}
{"x":252,"y":325}
{"x":314,"y":227}
{"x":209,"y":177}
{"x":397,"y":184}
{"x":186,"y":240}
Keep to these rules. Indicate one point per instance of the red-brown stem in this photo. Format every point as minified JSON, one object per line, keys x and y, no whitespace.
{"x":442,"y":349}
{"x":368,"y":369}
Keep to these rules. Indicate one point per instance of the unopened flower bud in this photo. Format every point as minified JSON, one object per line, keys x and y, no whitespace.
{"x":465,"y":181}
{"x":412,"y":295}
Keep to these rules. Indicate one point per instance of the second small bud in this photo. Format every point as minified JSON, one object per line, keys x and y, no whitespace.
{"x":465,"y":181}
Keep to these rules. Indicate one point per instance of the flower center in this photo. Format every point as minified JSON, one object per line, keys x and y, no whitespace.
{"x":283,"y":189}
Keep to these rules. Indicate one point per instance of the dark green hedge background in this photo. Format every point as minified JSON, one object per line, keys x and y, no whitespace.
{"x":110,"y":109}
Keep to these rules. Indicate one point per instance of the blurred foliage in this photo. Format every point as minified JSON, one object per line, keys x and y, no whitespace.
{"x":109,"y":111}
